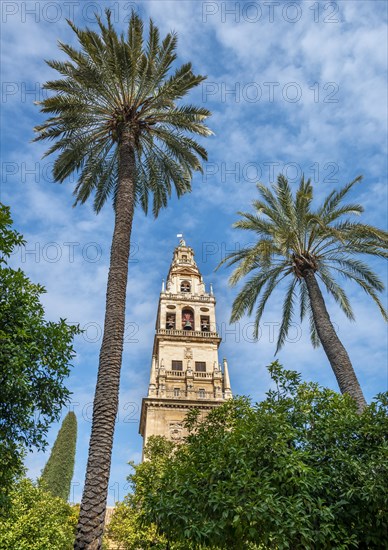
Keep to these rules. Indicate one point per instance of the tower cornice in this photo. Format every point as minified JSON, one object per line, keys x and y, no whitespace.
{"x":177,"y":404}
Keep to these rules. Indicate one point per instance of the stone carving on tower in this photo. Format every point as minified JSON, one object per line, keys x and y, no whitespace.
{"x":185,"y":370}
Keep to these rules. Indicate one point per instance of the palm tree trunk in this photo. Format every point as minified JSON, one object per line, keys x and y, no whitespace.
{"x":335,"y":351}
{"x":93,"y":506}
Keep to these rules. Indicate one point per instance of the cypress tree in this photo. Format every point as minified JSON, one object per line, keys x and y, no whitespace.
{"x":58,"y":472}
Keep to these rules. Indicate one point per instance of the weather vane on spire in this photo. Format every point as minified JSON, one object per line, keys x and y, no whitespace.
{"x":182,"y":241}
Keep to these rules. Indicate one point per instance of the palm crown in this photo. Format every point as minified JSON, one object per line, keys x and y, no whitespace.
{"x":118,"y":84}
{"x":293,"y":237}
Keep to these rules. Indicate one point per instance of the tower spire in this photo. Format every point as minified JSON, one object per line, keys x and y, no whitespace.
{"x":182,"y":242}
{"x":152,"y":385}
{"x":227,"y":388}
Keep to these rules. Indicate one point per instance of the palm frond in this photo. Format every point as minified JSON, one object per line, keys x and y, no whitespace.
{"x":287,"y":313}
{"x":334,"y":198}
{"x":286,"y":200}
{"x":366,"y":286}
{"x":313,"y":329}
{"x":337,"y":292}
{"x":304,"y":299}
{"x":273,"y":280}
{"x":358,"y":268}
{"x":246,"y":298}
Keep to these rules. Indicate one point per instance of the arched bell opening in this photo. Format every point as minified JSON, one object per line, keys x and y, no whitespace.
{"x":170,"y":321}
{"x":185,"y":286}
{"x":188,"y":319}
{"x":205,"y":323}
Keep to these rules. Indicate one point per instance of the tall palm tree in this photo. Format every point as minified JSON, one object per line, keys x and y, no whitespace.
{"x":305,"y":244}
{"x":115,"y":120}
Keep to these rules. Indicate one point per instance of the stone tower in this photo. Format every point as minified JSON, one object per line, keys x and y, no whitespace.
{"x":185,"y":371}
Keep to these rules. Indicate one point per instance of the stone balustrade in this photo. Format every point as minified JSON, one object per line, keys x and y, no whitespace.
{"x":187,"y":333}
{"x":182,"y":374}
{"x":187,"y":296}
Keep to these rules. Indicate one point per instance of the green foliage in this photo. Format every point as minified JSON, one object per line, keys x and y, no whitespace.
{"x":58,"y":472}
{"x":290,"y":238}
{"x":126,"y":529}
{"x":118,"y":86}
{"x":127,"y":526}
{"x":9,"y":238}
{"x":302,"y":469}
{"x":34,"y":362}
{"x":37,"y":520}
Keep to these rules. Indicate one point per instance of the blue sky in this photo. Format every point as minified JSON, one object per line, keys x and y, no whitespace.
{"x":294,"y":87}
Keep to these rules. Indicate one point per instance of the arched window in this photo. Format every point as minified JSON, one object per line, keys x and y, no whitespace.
{"x":170,"y":321}
{"x":185,"y":286}
{"x":187,"y":319}
{"x":205,"y":323}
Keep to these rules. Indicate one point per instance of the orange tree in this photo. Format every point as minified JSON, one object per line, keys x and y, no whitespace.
{"x":302,"y":469}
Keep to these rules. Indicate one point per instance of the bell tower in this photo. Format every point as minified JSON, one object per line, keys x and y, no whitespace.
{"x":185,"y":370}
